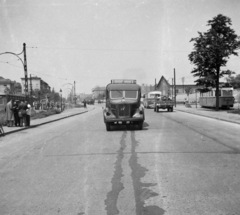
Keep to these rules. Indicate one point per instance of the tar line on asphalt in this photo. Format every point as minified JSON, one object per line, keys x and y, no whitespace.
{"x":141,"y":191}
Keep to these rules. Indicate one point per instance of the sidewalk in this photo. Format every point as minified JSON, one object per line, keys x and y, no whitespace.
{"x":37,"y":122}
{"x":211,"y":113}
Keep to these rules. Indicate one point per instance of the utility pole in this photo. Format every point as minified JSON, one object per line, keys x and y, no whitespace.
{"x":155,"y":84}
{"x":24,"y":63}
{"x":31,"y":90}
{"x":172,"y":88}
{"x":25,"y":70}
{"x":175,"y":94}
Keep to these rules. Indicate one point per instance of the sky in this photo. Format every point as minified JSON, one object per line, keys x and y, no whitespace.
{"x":93,"y":41}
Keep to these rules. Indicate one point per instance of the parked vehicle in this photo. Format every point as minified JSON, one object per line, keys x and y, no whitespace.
{"x":163,"y":102}
{"x":123,"y":104}
{"x":149,"y":98}
{"x":226,"y":98}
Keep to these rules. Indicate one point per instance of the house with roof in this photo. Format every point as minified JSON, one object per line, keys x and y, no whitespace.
{"x":167,"y":89}
{"x":37,"y":84}
{"x":9,"y":87}
{"x":98,"y":92}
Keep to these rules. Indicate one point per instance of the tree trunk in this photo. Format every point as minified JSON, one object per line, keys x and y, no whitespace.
{"x":217,"y":89}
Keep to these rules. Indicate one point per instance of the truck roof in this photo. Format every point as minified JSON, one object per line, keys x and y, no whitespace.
{"x":123,"y":87}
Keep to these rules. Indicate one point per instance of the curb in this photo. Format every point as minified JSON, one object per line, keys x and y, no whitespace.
{"x":225,"y":120}
{"x":43,"y":123}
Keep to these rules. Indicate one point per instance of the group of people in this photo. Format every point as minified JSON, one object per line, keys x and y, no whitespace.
{"x":18,"y":113}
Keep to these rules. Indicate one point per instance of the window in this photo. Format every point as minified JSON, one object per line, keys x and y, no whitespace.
{"x":119,"y":94}
{"x":116,"y":94}
{"x":154,"y":95}
{"x":130,"y":94}
{"x":227,"y":92}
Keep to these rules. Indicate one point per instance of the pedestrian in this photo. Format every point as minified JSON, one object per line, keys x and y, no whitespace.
{"x":9,"y":113}
{"x":24,"y":113}
{"x":28,"y":115}
{"x":15,"y":112}
{"x":20,"y":108}
{"x":84,"y":103}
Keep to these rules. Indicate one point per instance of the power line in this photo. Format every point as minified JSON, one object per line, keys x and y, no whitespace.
{"x":116,"y":50}
{"x":34,"y":71}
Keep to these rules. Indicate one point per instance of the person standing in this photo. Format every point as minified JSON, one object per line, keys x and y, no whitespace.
{"x":15,"y":112}
{"x":28,"y":115}
{"x":24,"y":113}
{"x":9,"y":113}
{"x":20,"y":110}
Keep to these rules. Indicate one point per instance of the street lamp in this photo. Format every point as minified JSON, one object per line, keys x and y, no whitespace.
{"x":69,"y":90}
{"x":23,"y":63}
{"x":73,"y":90}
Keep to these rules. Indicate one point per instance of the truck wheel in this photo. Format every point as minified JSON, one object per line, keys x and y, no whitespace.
{"x":157,"y":109}
{"x":172,"y":109}
{"x":140,"y":125}
{"x":108,"y":127}
{"x":154,"y":109}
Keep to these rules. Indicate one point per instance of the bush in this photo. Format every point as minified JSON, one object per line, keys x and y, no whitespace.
{"x":79,"y":105}
{"x":42,"y":114}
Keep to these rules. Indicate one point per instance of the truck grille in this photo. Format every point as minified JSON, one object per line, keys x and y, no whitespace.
{"x":124,"y":110}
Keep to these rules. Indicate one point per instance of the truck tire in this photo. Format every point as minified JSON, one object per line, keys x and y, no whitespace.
{"x":157,"y":109}
{"x":108,"y":127}
{"x":172,"y":109}
{"x":140,"y":125}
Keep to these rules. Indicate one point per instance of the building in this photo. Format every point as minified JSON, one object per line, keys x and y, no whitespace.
{"x":9,"y":87}
{"x":168,"y":89}
{"x":99,"y":92}
{"x":37,"y":84}
{"x":147,"y":88}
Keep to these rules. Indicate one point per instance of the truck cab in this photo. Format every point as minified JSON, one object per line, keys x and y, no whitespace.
{"x":123,"y":104}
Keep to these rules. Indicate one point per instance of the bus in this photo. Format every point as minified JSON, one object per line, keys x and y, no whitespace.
{"x":149,"y":98}
{"x":226,"y":98}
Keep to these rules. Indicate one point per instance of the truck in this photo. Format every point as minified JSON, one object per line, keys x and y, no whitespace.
{"x":163,"y":102}
{"x":123,"y":104}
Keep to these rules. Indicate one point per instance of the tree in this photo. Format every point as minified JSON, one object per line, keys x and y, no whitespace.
{"x":212,"y":50}
{"x":234,"y":81}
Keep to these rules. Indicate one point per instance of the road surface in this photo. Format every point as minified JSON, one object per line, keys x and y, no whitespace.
{"x":178,"y":164}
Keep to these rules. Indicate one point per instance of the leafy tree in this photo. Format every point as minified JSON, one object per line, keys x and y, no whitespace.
{"x":234,"y":81}
{"x":212,"y":50}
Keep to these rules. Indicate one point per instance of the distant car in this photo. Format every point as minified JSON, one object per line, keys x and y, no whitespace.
{"x":99,"y":102}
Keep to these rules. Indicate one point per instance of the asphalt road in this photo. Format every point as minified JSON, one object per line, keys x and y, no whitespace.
{"x":178,"y":164}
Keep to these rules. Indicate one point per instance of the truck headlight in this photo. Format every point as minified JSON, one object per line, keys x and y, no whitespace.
{"x":138,"y":113}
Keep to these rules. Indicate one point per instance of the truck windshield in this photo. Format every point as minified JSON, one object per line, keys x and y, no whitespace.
{"x":116,"y":94}
{"x":130,"y":94}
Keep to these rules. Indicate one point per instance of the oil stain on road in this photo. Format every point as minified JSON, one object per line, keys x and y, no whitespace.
{"x":117,"y":185}
{"x":141,"y":191}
